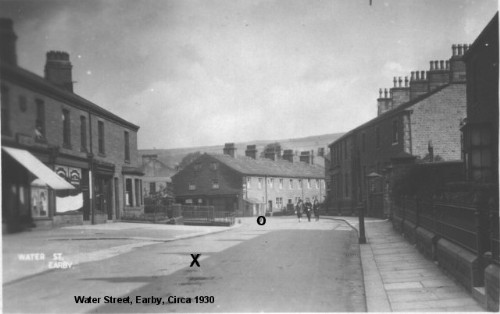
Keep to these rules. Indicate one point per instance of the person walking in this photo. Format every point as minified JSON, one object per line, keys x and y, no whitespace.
{"x":299,"y":209}
{"x":308,"y":209}
{"x":316,"y":208}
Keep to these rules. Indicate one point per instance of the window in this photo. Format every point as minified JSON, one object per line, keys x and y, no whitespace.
{"x":83,"y":134}
{"x":308,"y":183}
{"x":395,"y":134}
{"x":249,"y":181}
{"x":189,"y":201}
{"x":377,"y":137}
{"x":479,"y":144}
{"x":363,"y":141}
{"x":197,"y":167}
{"x":100,"y":136}
{"x":281,"y":184}
{"x":5,"y":111}
{"x":137,"y":193}
{"x":291,"y":184}
{"x":152,"y":187}
{"x":40,"y":120}
{"x":260,"y":183}
{"x":215,"y":184}
{"x":128,"y":192}
{"x":66,"y":128}
{"x":192,"y":187}
{"x":346,"y":183}
{"x":127,"y":146}
{"x":271,"y":182}
{"x":317,"y":184}
{"x":300,"y":183}
{"x":214,"y":166}
{"x":279,"y":202}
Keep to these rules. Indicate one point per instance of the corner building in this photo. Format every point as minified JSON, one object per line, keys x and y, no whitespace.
{"x":49,"y":132}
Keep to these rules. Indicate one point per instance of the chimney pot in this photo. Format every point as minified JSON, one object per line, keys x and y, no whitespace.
{"x":432,"y":65}
{"x":447,"y":64}
{"x":417,"y":75}
{"x":385,"y":93}
{"x":466,"y":47}
{"x":422,"y":74}
{"x":441,"y":63}
{"x":395,"y":81}
{"x":229,"y":149}
{"x":380,"y":93}
{"x":412,"y":76}
{"x":459,"y":49}
{"x":406,"y":81}
{"x":400,"y":81}
{"x":454,"y":50}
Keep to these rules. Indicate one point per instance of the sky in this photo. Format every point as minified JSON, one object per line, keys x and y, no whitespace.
{"x":206,"y":72}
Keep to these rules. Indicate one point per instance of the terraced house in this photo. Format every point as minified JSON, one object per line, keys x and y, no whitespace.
{"x":246,"y":185}
{"x":65,"y":160}
{"x":419,"y":117}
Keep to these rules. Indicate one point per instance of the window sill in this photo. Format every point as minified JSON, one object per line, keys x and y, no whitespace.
{"x":67,"y":146}
{"x":395,"y":143}
{"x":101,"y":154}
{"x":127,"y":161}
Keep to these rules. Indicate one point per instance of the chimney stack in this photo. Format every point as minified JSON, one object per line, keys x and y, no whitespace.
{"x":456,"y":63}
{"x":288,"y":155}
{"x":251,"y":151}
{"x":384,"y":103}
{"x":229,"y":149}
{"x":58,"y":69}
{"x":418,"y":84}
{"x":8,"y":42}
{"x":400,"y":94}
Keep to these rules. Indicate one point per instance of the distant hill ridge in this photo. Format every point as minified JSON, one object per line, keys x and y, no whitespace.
{"x":173,"y":156}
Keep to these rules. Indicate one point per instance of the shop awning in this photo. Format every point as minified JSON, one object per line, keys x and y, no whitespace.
{"x":38,"y":168}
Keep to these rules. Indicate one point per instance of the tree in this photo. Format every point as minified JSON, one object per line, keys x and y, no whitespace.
{"x":189,"y":158}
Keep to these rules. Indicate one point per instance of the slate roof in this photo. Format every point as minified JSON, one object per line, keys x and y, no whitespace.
{"x":266,"y":167}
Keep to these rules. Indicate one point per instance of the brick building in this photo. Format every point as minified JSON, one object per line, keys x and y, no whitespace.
{"x":246,"y":185}
{"x":46,"y":126}
{"x":419,"y":118}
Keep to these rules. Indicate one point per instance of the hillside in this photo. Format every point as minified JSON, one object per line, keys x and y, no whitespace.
{"x":171,"y":157}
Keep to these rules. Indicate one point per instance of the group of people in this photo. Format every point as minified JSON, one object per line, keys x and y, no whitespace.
{"x":307,"y":208}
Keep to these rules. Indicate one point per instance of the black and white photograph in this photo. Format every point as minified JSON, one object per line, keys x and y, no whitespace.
{"x":249,"y":156}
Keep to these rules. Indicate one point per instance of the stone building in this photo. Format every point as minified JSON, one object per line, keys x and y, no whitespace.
{"x":247,"y":185}
{"x":45,"y":125}
{"x":157,"y":180}
{"x":417,"y":118}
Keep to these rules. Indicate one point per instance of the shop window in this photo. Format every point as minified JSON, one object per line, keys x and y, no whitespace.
{"x":126,"y":140}
{"x":39,"y":201}
{"x":83,"y":133}
{"x":66,"y":129}
{"x":128,"y":192}
{"x":100,"y":137}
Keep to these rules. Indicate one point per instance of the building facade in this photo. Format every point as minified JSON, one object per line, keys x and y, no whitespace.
{"x":157,"y":180}
{"x":419,"y":118}
{"x":246,"y":185}
{"x":46,"y":125}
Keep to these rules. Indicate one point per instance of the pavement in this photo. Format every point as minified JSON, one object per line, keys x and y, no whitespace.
{"x":397,"y":278}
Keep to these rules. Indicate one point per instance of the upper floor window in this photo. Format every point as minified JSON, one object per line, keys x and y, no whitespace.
{"x":83,"y":133}
{"x":249,"y":181}
{"x":271,"y":183}
{"x":192,"y":187}
{"x":100,"y":136}
{"x":281,"y":184}
{"x":308,"y":183}
{"x":66,"y":128}
{"x":395,"y":133}
{"x":363,"y":141}
{"x":5,"y":111}
{"x":215,"y":184}
{"x":214,"y":166}
{"x":377,"y":137}
{"x":291,"y":184}
{"x":127,"y":145}
{"x":260,"y":183}
{"x":40,"y":120}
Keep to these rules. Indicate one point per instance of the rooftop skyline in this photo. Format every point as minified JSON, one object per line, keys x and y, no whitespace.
{"x":198,"y":73}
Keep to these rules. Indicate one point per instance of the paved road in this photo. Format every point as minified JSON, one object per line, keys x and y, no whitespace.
{"x":282,"y":266}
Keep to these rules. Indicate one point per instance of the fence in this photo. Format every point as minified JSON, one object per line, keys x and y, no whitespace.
{"x":206,"y":215}
{"x":470,"y":226}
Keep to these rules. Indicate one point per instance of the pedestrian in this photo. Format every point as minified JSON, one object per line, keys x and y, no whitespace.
{"x":299,"y":208}
{"x":308,"y":209}
{"x":316,"y":208}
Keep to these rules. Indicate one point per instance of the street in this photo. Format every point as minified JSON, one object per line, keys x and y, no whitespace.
{"x":282,"y":266}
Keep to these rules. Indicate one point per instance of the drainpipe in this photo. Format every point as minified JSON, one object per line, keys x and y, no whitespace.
{"x":91,"y":172}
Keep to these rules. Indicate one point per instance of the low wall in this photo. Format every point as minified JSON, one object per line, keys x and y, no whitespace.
{"x":491,"y":281}
{"x":426,"y":242}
